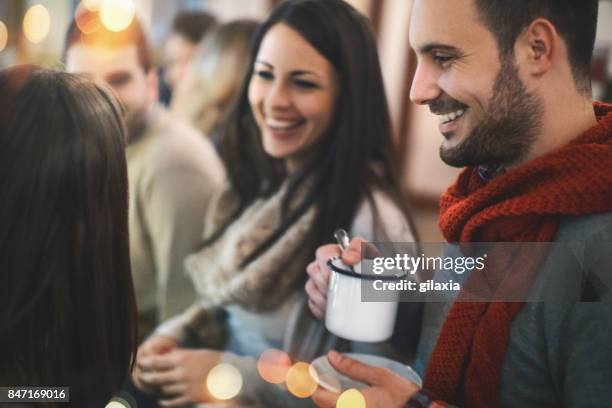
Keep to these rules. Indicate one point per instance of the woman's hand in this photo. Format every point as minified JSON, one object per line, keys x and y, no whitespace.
{"x":154,"y":345}
{"x":318,"y":273}
{"x":386,"y":390}
{"x":179,"y":376}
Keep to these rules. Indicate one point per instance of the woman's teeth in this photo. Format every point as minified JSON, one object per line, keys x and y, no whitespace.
{"x":282,"y":124}
{"x":449,"y":117}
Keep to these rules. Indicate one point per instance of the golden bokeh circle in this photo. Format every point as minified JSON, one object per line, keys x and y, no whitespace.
{"x":117,"y":15}
{"x":3,"y":36}
{"x":36,"y":23}
{"x":351,"y":398}
{"x":299,"y":381}
{"x":224,"y":381}
{"x":88,"y":22}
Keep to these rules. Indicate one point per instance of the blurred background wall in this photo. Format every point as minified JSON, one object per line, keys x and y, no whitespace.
{"x":33,"y":31}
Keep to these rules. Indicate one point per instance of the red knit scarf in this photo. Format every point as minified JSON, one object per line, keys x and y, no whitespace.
{"x":523,"y":205}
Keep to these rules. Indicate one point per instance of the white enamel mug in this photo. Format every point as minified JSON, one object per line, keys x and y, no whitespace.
{"x":347,"y":316}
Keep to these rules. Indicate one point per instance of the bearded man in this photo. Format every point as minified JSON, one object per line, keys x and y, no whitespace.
{"x":510,"y":84}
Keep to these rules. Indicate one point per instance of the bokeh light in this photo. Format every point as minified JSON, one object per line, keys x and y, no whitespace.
{"x":224,"y":381}
{"x":36,"y":23}
{"x":351,"y":398}
{"x":117,"y":15}
{"x":273,"y":366}
{"x":86,"y":21}
{"x":92,"y":5}
{"x":114,"y":404}
{"x":299,"y":381}
{"x":117,"y":403}
{"x":122,"y":400}
{"x":3,"y":36}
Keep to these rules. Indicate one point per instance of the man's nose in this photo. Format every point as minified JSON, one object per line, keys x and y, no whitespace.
{"x":424,"y":85}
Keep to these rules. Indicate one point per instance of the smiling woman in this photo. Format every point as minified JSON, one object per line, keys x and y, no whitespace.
{"x":292,"y":93}
{"x":308,"y":150}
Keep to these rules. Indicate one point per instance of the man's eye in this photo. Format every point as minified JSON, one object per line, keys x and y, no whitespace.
{"x":267,"y":75}
{"x":443,"y":60}
{"x":118,"y":80}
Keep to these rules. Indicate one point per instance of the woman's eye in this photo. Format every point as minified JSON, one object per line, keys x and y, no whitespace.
{"x":305,"y":84}
{"x":267,"y":75}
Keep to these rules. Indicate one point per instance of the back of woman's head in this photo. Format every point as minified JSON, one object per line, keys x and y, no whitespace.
{"x":68,"y":309}
{"x":353,"y":154}
{"x":208,"y":92}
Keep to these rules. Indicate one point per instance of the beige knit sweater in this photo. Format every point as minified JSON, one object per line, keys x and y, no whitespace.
{"x":172,"y":172}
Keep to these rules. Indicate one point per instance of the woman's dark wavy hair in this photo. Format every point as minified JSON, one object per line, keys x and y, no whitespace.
{"x":355,"y":152}
{"x":68,"y":310}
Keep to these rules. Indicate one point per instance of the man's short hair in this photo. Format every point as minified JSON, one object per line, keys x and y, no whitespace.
{"x":193,"y":24}
{"x":575,"y":21}
{"x":131,"y":35}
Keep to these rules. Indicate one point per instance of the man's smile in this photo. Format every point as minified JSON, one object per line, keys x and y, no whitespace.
{"x":451,"y":116}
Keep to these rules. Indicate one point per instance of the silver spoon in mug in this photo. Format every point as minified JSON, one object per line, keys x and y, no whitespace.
{"x":342,"y":238}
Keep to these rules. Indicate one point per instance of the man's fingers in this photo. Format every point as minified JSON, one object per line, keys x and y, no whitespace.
{"x":324,"y":399}
{"x":356,"y":369}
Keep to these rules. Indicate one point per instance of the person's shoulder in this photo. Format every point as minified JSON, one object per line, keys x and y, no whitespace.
{"x":594,"y":227}
{"x":577,"y":265}
{"x":171,"y":136}
{"x":382,"y":219}
{"x":174,"y":144}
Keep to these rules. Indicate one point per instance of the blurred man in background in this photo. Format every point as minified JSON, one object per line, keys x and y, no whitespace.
{"x":172,"y":169}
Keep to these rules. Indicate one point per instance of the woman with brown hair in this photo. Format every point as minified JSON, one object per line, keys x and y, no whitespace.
{"x":68,"y":310}
{"x":307,"y":149}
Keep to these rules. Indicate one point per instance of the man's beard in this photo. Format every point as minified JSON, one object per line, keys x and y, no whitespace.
{"x":136,"y":123}
{"x":506,"y":134}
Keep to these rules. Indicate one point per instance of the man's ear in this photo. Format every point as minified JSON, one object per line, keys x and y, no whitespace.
{"x":538,"y":46}
{"x":152,"y":82}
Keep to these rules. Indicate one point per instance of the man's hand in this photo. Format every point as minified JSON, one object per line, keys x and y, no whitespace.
{"x":179,"y":376}
{"x":154,"y":345}
{"x":318,"y":273}
{"x":386,"y":390}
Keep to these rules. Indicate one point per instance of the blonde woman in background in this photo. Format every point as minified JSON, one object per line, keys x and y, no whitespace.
{"x":213,"y":79}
